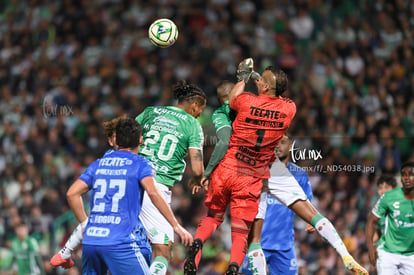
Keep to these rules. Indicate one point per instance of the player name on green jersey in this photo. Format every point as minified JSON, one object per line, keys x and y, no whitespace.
{"x":168,"y":133}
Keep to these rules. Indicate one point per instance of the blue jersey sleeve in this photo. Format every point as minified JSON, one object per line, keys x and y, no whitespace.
{"x":89,"y":173}
{"x":146,"y":169}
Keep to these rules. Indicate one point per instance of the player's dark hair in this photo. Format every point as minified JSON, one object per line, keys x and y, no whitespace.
{"x":388,"y":180}
{"x":110,"y":125}
{"x":184,"y":91}
{"x":407,"y":164}
{"x":289,"y":136}
{"x":128,"y":133}
{"x":281,"y":79}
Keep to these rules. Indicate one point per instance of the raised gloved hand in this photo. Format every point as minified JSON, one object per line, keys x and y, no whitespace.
{"x":255,"y":75}
{"x":245,"y":70}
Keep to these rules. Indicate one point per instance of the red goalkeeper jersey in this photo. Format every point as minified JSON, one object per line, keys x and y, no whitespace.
{"x":260,"y":123}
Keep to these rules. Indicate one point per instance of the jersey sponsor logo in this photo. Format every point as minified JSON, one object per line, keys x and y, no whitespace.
{"x":246,"y":159}
{"x":403,"y":224}
{"x":94,"y":231}
{"x":153,"y":232}
{"x":249,"y":152}
{"x":162,"y":111}
{"x":396,"y":213}
{"x":115,"y":162}
{"x":166,"y":121}
{"x":272,"y":114}
{"x":293,"y":264}
{"x":264,"y":123}
{"x":408,"y":224}
{"x":398,"y":223}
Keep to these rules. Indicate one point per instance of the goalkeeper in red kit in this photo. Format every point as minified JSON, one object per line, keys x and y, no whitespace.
{"x":260,"y":123}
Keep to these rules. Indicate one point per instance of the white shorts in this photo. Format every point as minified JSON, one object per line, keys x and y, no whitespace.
{"x":159,"y":230}
{"x":392,"y":263}
{"x":282,"y":185}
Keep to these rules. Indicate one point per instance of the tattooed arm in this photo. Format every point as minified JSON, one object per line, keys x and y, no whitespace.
{"x":197,"y":165}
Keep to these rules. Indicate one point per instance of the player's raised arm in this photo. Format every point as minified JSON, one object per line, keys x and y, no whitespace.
{"x":159,"y":201}
{"x":244,"y":73}
{"x":237,"y":89}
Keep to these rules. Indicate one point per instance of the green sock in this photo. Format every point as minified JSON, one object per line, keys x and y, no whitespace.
{"x":316,"y":218}
{"x":254,"y":246}
{"x":159,"y":266}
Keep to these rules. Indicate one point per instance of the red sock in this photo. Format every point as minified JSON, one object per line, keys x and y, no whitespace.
{"x":239,"y":231}
{"x":207,"y":227}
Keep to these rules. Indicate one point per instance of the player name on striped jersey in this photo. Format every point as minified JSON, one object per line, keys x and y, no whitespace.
{"x":110,"y":172}
{"x":105,"y":219}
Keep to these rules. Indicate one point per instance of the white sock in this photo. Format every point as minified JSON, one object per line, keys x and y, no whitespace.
{"x":329,"y":233}
{"x":257,"y":260}
{"x":74,"y":241}
{"x":159,"y":266}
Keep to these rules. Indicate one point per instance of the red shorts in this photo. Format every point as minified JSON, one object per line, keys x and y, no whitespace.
{"x":242,"y":192}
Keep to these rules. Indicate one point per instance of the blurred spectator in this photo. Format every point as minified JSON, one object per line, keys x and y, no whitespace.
{"x":26,"y":252}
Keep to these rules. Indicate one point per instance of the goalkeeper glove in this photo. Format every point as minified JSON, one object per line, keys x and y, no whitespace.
{"x":245,"y":70}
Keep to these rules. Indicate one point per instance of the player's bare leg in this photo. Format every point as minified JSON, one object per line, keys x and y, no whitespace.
{"x":161,"y":254}
{"x":305,"y":210}
{"x":257,"y":260}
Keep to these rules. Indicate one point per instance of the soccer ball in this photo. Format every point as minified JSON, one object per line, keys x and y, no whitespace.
{"x":163,"y":33}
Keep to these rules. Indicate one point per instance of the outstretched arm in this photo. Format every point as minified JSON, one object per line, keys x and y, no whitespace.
{"x":159,"y":201}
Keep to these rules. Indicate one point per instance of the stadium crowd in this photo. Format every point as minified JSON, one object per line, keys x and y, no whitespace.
{"x":67,"y":66}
